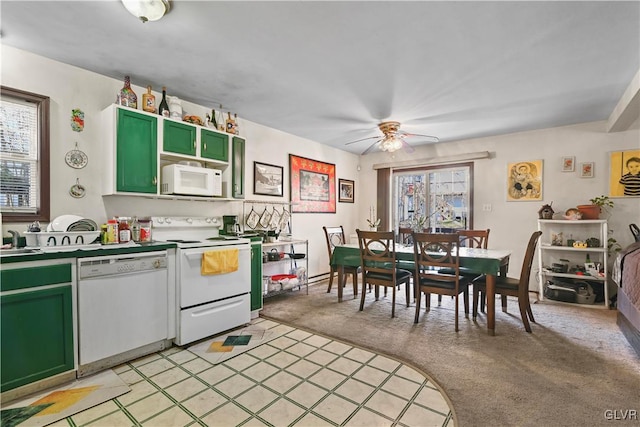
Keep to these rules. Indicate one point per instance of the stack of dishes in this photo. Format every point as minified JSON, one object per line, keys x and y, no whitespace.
{"x":72,"y":223}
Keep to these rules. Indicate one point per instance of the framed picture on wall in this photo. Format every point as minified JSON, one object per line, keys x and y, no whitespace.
{"x":346,"y":190}
{"x":586,"y":169}
{"x":568,"y":164}
{"x":624,"y":173}
{"x":313,"y":185}
{"x":267,"y":179}
{"x":524,"y":181}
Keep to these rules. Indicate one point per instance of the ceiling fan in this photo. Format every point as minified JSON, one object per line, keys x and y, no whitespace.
{"x":392,"y":138}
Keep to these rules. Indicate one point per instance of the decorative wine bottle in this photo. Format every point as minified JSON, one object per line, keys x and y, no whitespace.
{"x":236,"y":124}
{"x":231,"y":125}
{"x":149,"y":101}
{"x":214,"y":122}
{"x":163,"y":110}
{"x":127,"y":96}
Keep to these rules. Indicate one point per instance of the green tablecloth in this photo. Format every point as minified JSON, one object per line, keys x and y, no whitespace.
{"x":481,"y":261}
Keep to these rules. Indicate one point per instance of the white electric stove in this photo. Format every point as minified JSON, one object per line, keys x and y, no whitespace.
{"x":212,"y":303}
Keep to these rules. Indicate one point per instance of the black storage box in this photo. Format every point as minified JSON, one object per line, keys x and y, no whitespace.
{"x":579,"y":292}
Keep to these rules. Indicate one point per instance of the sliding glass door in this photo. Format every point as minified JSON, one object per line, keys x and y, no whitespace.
{"x":435,"y":198}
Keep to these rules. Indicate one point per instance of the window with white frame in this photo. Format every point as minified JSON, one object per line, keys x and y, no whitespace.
{"x":24,"y":156}
{"x":435,"y":198}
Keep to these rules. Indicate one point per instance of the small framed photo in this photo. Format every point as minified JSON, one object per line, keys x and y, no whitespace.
{"x":568,"y":164}
{"x":267,"y":179}
{"x":586,"y":170}
{"x":346,"y":190}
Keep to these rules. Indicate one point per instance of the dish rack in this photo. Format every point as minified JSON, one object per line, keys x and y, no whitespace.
{"x":41,"y":239}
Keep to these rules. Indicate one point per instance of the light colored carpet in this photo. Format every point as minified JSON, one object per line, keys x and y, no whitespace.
{"x":576,"y":368}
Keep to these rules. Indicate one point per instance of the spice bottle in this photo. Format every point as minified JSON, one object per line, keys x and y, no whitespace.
{"x":124,"y":231}
{"x":112,"y":231}
{"x":135,"y":229}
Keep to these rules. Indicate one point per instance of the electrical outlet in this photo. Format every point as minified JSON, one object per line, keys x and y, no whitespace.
{"x":486,"y":207}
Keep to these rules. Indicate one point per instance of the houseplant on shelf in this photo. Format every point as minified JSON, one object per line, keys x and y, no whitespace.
{"x":598,"y":204}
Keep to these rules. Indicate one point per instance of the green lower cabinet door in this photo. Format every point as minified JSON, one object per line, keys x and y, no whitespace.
{"x":37,"y":336}
{"x":256,"y":277}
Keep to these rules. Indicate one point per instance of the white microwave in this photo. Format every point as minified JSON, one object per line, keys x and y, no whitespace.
{"x":191,"y":181}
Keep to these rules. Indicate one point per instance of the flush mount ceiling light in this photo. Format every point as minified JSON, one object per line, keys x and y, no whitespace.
{"x":147,"y":10}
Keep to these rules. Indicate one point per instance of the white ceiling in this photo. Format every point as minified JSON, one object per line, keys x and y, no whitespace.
{"x":331,"y":71}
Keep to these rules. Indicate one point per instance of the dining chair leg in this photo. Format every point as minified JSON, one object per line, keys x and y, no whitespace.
{"x":482,"y":300}
{"x":523,"y":313}
{"x":407,"y":285}
{"x":393,"y":302}
{"x":418,"y":297}
{"x":439,"y":300}
{"x":456,"y":321}
{"x":362,"y":296}
{"x":530,"y":313}
{"x":427,"y":301}
{"x":355,"y":283}
{"x":476,"y":294}
{"x":331,"y":273}
{"x":466,"y":303}
{"x":503,"y":298}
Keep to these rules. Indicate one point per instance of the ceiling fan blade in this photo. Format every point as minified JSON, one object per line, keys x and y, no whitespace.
{"x":363,"y":139}
{"x":429,"y":137}
{"x":370,"y":148}
{"x":407,"y":148}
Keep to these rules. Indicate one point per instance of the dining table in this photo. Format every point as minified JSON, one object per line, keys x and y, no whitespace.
{"x":490,"y":262}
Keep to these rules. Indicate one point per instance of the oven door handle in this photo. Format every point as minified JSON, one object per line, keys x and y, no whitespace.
{"x":198,"y":254}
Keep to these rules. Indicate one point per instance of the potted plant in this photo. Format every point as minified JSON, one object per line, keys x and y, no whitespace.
{"x":593,"y":210}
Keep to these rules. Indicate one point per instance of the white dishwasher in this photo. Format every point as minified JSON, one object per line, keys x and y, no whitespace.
{"x":122,"y":306}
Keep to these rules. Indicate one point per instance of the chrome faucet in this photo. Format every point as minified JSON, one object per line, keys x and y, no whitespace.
{"x":15,"y":238}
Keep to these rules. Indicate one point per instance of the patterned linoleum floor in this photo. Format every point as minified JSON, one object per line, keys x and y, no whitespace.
{"x":297,"y":379}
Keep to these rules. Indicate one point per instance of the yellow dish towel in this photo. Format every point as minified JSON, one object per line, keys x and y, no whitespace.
{"x":219,"y":262}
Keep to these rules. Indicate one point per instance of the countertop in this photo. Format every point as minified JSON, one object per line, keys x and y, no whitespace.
{"x":89,"y":252}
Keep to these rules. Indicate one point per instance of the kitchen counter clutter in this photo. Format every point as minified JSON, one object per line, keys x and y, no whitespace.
{"x":22,"y":255}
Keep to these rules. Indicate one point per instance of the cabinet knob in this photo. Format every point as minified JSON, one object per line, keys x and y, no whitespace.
{"x":155,"y":180}
{"x":205,"y":146}
{"x":194,"y":145}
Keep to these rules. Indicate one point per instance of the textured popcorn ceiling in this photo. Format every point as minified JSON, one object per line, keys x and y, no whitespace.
{"x":330,"y":71}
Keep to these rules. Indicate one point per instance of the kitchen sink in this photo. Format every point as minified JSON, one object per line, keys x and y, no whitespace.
{"x":18,"y":251}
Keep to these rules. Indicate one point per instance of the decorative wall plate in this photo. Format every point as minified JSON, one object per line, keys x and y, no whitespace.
{"x":77,"y":190}
{"x":76,"y":158}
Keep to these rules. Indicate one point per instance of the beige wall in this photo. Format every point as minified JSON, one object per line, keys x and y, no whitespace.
{"x":511,"y":223}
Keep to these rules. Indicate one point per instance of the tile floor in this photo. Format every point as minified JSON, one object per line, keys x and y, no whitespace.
{"x":297,"y":379}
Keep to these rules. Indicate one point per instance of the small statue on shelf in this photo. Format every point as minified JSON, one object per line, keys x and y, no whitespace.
{"x":546,"y":212}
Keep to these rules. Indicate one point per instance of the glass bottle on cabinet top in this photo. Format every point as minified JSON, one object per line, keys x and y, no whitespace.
{"x":127,"y":96}
{"x":163,"y":109}
{"x":149,"y":101}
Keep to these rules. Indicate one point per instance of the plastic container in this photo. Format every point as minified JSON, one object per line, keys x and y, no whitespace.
{"x":112,"y":231}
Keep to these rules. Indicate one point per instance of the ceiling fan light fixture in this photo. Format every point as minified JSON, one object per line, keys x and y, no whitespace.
{"x":147,"y":10}
{"x":391,"y":143}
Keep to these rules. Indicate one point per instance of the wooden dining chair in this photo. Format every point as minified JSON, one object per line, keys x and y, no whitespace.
{"x":404,"y":235}
{"x":335,"y":237}
{"x":433,"y":253}
{"x":378,"y":263}
{"x":506,"y":286}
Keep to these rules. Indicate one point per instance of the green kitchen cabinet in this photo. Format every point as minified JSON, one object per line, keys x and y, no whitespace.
{"x":179,"y":138}
{"x":37,"y":323}
{"x":214,"y":145}
{"x":237,"y":172}
{"x":136,"y":152}
{"x":256,"y":276}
